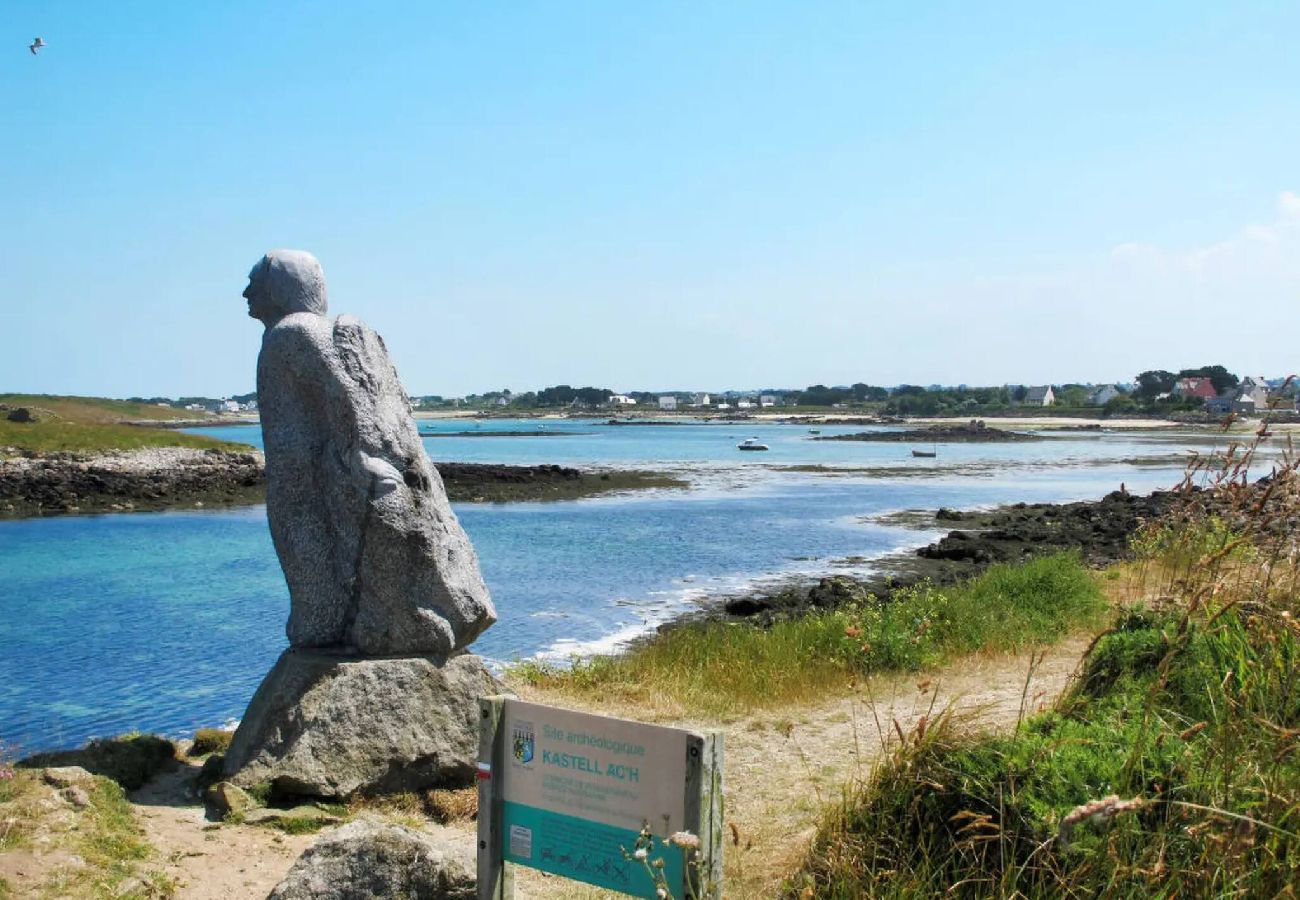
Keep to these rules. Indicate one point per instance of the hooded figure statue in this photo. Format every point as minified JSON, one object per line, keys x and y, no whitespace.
{"x":372,"y":552}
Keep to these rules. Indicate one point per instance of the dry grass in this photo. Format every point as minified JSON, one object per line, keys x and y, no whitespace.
{"x":1171,"y":768}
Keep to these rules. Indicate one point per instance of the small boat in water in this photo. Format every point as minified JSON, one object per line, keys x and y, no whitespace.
{"x":814,"y":431}
{"x":751,"y":444}
{"x":925,"y":454}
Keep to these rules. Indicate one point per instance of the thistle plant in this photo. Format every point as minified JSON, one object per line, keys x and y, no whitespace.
{"x":643,"y":852}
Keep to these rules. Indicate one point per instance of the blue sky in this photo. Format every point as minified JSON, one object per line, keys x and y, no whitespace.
{"x":654,"y":195}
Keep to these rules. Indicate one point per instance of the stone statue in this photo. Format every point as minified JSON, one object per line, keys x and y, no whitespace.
{"x":374,"y":556}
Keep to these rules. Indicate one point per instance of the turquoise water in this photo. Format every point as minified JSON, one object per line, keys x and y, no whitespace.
{"x":167,"y":621}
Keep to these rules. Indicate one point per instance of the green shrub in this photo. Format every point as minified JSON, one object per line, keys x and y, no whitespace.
{"x":131,"y":760}
{"x":210,"y":740}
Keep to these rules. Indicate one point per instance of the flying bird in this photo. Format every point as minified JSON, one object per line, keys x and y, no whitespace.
{"x":36,"y":45}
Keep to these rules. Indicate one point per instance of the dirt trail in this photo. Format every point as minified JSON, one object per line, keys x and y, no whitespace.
{"x":782,"y":768}
{"x":209,"y":860}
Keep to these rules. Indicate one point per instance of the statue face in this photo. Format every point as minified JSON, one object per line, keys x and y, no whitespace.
{"x":261,"y":304}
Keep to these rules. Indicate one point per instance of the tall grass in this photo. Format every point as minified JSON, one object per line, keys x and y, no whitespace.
{"x":1171,"y":768}
{"x":722,"y":669}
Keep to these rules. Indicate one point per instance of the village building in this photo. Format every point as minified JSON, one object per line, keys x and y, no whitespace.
{"x":668,"y":402}
{"x":1104,"y":394}
{"x":622,"y":400}
{"x":701,"y":400}
{"x":1200,"y":387}
{"x":768,"y":400}
{"x":1040,"y":396}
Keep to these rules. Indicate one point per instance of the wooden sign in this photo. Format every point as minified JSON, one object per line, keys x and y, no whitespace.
{"x":570,"y":793}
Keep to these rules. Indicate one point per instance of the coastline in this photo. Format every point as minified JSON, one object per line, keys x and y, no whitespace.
{"x":174,"y":478}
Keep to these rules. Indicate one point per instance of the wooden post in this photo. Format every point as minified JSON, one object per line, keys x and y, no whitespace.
{"x":704,"y":815}
{"x":495,"y":881}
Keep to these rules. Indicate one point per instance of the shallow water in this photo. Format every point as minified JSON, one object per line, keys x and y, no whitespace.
{"x":167,"y":621}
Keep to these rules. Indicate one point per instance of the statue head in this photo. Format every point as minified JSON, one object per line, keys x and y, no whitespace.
{"x":284,"y":282}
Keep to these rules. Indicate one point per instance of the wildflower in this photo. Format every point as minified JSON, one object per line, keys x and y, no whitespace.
{"x":852,"y":631}
{"x":661,"y":893}
{"x":1096,"y":812}
{"x":685,"y":840}
{"x":6,"y":773}
{"x":639,"y":853}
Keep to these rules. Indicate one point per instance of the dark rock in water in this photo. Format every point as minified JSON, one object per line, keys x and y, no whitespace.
{"x":333,"y":726}
{"x":22,"y":414}
{"x":949,"y":515}
{"x":372,"y":861}
{"x":747,"y":606}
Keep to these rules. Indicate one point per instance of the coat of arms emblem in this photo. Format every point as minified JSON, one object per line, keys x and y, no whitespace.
{"x":524,"y":742}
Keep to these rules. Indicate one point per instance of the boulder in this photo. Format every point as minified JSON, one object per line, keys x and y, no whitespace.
{"x":333,"y":726}
{"x":225,"y":798}
{"x":366,"y":860}
{"x":22,"y":414}
{"x":66,"y":776}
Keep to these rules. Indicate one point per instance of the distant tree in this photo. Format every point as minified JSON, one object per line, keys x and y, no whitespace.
{"x":866,"y":392}
{"x":1121,"y":404}
{"x":821,"y":395}
{"x":1154,"y":382}
{"x":1020,"y":393}
{"x":1071,"y":395}
{"x":1221,"y":378}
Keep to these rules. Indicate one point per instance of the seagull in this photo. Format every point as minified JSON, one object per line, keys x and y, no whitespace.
{"x":36,"y":45}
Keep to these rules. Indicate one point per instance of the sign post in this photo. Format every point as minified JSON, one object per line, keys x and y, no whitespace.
{"x":571,"y":793}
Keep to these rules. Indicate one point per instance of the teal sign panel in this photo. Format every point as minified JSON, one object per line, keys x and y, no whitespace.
{"x":585,"y":850}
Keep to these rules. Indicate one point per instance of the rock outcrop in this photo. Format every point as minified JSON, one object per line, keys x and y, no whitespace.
{"x":371,"y":861}
{"x":325,"y":725}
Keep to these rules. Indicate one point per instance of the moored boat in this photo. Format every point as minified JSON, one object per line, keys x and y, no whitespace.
{"x":751,"y":444}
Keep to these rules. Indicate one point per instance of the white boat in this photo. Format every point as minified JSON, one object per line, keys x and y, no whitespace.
{"x":751,"y":444}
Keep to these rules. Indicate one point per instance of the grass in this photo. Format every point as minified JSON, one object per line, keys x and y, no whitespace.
{"x":94,"y":425}
{"x":699,"y":667}
{"x":210,"y":740}
{"x":75,"y":437}
{"x":93,"y":410}
{"x":1171,"y":768}
{"x":104,"y":835}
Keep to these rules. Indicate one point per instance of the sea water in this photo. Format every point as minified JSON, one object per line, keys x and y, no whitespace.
{"x":167,"y":622}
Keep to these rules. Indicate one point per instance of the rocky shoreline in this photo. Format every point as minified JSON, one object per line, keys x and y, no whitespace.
{"x":186,"y":478}
{"x":1098,"y":529}
{"x":975,"y":432}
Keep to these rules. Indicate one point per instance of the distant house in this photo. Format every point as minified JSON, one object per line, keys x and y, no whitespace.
{"x":1040,"y":396}
{"x":1104,"y":394}
{"x":622,"y":400}
{"x":1198,"y":387}
{"x":668,"y":402}
{"x":744,"y":404}
{"x":724,"y":405}
{"x":767,"y":400}
{"x":701,"y":400}
{"x":1220,"y":405}
{"x":226,"y":406}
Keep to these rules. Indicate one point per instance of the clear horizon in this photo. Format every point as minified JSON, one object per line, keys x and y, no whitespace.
{"x":626,"y":196}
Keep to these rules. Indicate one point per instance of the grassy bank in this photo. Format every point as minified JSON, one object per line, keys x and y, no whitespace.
{"x":723,"y":669}
{"x":94,"y":425}
{"x":1171,"y":768}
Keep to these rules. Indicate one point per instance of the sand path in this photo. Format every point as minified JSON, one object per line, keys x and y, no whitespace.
{"x":782,"y":768}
